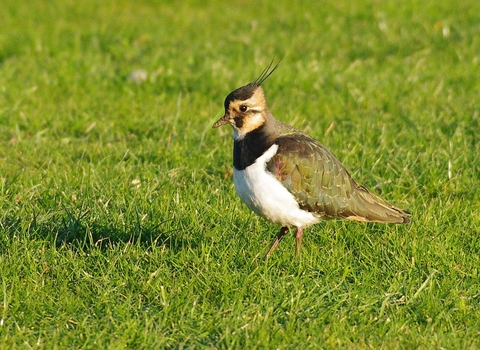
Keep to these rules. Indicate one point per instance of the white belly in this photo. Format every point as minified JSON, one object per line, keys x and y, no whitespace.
{"x":265,"y":195}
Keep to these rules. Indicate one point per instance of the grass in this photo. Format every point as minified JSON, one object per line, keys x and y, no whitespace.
{"x":119,"y":223}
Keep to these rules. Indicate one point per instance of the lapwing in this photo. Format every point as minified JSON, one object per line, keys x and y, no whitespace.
{"x":288,"y":177}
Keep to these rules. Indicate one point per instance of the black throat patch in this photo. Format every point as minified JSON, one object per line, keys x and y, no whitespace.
{"x":253,"y":145}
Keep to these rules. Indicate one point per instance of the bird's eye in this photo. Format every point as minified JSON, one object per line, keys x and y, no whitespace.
{"x":243,"y":108}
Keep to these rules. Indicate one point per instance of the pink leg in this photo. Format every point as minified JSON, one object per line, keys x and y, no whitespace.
{"x":283,"y":232}
{"x":298,"y":235}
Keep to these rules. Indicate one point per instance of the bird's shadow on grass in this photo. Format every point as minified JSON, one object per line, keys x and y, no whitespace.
{"x":78,"y":231}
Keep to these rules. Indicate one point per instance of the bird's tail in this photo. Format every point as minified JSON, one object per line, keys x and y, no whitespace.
{"x":366,"y":207}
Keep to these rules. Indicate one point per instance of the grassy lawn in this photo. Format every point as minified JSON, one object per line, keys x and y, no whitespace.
{"x":119,"y":222}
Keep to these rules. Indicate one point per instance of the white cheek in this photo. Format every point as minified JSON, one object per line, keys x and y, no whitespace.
{"x":253,"y":122}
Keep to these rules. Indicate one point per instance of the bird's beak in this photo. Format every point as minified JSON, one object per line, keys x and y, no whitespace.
{"x":222,"y":121}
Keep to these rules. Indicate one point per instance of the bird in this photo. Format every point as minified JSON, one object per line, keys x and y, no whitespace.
{"x":288,"y":177}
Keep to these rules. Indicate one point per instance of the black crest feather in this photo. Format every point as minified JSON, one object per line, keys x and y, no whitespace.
{"x":265,"y":73}
{"x":245,"y":92}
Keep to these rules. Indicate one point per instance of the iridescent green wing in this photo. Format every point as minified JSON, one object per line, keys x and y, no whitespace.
{"x":322,"y":185}
{"x":317,"y":179}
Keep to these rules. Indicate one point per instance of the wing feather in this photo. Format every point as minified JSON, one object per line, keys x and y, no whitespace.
{"x":322,"y":185}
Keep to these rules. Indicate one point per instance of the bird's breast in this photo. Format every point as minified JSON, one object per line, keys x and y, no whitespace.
{"x":265,"y":195}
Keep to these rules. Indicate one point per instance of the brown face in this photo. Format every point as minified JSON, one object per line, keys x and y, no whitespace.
{"x":244,"y":115}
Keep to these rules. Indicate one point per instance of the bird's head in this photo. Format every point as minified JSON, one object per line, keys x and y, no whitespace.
{"x":245,"y":107}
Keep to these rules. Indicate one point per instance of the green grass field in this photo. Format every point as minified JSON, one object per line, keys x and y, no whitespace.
{"x":119,"y":222}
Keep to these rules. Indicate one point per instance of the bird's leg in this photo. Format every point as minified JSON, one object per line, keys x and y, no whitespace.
{"x":283,"y":232}
{"x":298,"y":236}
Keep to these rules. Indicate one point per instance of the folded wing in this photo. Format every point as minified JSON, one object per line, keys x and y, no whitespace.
{"x":322,"y":185}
